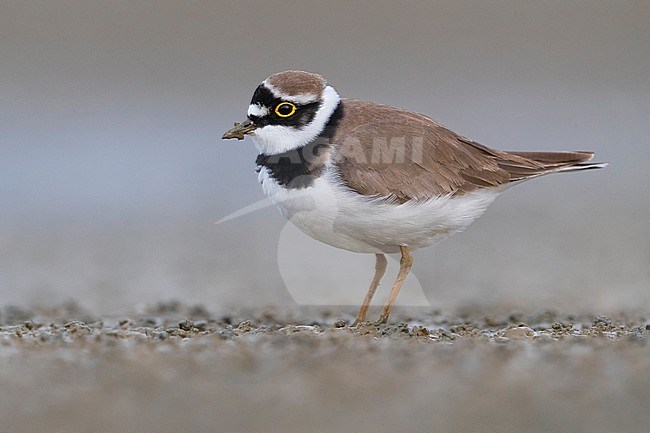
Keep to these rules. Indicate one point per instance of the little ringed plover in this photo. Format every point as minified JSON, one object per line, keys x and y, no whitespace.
{"x":373,"y":178}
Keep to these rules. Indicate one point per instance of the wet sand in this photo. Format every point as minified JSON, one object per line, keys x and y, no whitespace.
{"x":172,"y":367}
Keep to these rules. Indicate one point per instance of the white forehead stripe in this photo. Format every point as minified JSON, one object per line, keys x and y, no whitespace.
{"x":298,"y":99}
{"x":257,"y":110}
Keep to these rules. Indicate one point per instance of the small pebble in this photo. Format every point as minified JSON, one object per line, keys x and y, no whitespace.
{"x":186,"y":325}
{"x":519,"y":333}
{"x":299,"y":329}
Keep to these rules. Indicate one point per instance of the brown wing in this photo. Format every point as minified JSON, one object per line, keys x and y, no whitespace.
{"x":386,"y":151}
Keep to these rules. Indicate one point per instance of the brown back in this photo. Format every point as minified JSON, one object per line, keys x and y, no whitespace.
{"x":387,"y":151}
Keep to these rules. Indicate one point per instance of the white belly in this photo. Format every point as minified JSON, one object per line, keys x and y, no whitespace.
{"x":335,"y":215}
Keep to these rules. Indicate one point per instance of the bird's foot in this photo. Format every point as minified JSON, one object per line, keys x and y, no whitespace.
{"x":382,"y":320}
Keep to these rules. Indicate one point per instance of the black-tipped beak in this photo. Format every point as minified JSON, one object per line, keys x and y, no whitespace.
{"x":239,"y":130}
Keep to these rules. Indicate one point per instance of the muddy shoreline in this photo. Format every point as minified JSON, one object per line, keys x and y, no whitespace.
{"x":172,"y":367}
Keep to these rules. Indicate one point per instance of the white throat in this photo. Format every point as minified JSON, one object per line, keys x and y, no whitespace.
{"x":275,"y":139}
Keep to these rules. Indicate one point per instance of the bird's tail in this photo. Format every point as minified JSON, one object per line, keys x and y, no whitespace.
{"x":547,"y":162}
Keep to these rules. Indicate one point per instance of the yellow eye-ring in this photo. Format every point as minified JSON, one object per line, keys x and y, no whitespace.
{"x":285,"y":109}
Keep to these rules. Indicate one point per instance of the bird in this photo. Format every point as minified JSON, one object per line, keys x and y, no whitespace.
{"x":374,"y":178}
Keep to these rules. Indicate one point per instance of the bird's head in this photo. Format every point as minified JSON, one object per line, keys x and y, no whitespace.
{"x":288,"y":110}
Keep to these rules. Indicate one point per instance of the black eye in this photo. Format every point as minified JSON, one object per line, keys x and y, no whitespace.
{"x":285,"y":109}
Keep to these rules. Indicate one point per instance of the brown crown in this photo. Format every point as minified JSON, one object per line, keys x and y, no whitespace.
{"x":294,"y":83}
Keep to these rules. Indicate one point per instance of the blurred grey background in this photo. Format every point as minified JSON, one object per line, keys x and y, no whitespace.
{"x":113,"y":173}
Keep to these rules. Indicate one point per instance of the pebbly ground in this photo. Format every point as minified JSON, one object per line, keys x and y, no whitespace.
{"x":172,"y":367}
